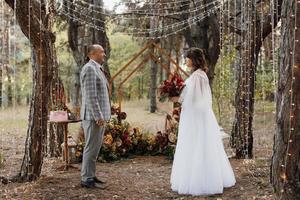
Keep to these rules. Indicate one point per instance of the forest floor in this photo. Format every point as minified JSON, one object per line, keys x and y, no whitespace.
{"x":142,"y":177}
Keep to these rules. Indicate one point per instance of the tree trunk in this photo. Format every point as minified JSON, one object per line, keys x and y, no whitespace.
{"x":153,"y":83}
{"x":285,"y":169}
{"x":100,"y":37}
{"x":242,"y":131}
{"x":56,"y":138}
{"x":161,"y":71}
{"x":268,"y":48}
{"x":9,"y":87}
{"x":76,"y":35}
{"x":18,"y":94}
{"x":142,"y":87}
{"x":1,"y":89}
{"x":154,"y":23}
{"x":205,"y":35}
{"x":242,"y":134}
{"x":80,"y":37}
{"x":139,"y":88}
{"x":2,"y":56}
{"x":8,"y":68}
{"x":42,"y":41}
{"x":5,"y":47}
{"x":58,"y":102}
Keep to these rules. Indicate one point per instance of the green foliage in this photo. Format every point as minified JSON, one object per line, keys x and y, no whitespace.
{"x":66,"y":62}
{"x":123,"y":48}
{"x":224,"y":84}
{"x":17,"y":75}
{"x":20,"y":68}
{"x":265,"y":86}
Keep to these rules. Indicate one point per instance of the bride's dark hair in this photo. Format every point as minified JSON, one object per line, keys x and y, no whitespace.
{"x":198,"y":58}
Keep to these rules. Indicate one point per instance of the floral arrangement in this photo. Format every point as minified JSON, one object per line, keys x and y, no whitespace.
{"x":171,"y":87}
{"x":122,"y":141}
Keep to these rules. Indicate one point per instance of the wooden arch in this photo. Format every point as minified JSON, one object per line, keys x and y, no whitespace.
{"x":151,"y":44}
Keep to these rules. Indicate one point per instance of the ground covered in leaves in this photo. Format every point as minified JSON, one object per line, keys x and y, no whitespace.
{"x":138,"y":178}
{"x":135,"y":178}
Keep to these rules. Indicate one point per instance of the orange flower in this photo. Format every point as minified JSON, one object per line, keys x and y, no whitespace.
{"x":108,"y":139}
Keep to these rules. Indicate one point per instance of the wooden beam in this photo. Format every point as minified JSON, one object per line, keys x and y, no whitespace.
{"x":157,"y":60}
{"x":125,"y":66}
{"x":127,"y":77}
{"x":169,"y":58}
{"x":135,"y":69}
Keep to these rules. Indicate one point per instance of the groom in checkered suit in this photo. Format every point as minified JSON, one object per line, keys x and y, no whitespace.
{"x":95,"y":111}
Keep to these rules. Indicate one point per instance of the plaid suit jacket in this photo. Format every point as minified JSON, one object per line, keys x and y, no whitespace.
{"x":95,"y":95}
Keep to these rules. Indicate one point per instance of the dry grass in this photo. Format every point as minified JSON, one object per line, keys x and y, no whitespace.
{"x":139,"y":115}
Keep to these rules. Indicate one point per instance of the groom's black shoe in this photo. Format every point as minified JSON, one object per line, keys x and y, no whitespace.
{"x":98,"y":180}
{"x":91,"y":184}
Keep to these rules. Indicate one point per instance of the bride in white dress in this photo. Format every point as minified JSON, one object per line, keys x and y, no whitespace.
{"x":200,"y":165}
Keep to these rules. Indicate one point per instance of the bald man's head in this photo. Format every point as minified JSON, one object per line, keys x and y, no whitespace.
{"x":96,"y":52}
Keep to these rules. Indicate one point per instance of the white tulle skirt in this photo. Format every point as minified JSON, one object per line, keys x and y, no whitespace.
{"x":200,"y":165}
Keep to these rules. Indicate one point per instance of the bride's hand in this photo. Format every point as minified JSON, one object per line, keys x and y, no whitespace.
{"x":174,"y":99}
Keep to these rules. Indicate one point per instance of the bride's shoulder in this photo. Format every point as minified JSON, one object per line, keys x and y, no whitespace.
{"x":200,"y":74}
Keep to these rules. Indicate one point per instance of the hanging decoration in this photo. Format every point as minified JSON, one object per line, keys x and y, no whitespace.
{"x":80,"y":12}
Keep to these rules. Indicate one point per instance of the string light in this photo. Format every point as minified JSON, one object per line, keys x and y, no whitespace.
{"x":221,"y":52}
{"x":28,"y":141}
{"x":262,"y":64}
{"x":292,"y":122}
{"x":160,"y":14}
{"x":247,"y":48}
{"x":146,"y":31}
{"x":128,"y":10}
{"x":41,"y":119}
{"x":15,"y":57}
{"x":273,"y":34}
{"x":165,"y":31}
{"x":2,"y":49}
{"x":242,"y":66}
{"x":248,"y":68}
{"x":159,"y":4}
{"x":79,"y":11}
{"x":189,"y":22}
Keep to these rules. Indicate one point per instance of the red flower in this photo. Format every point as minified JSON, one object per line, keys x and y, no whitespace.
{"x":171,"y":87}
